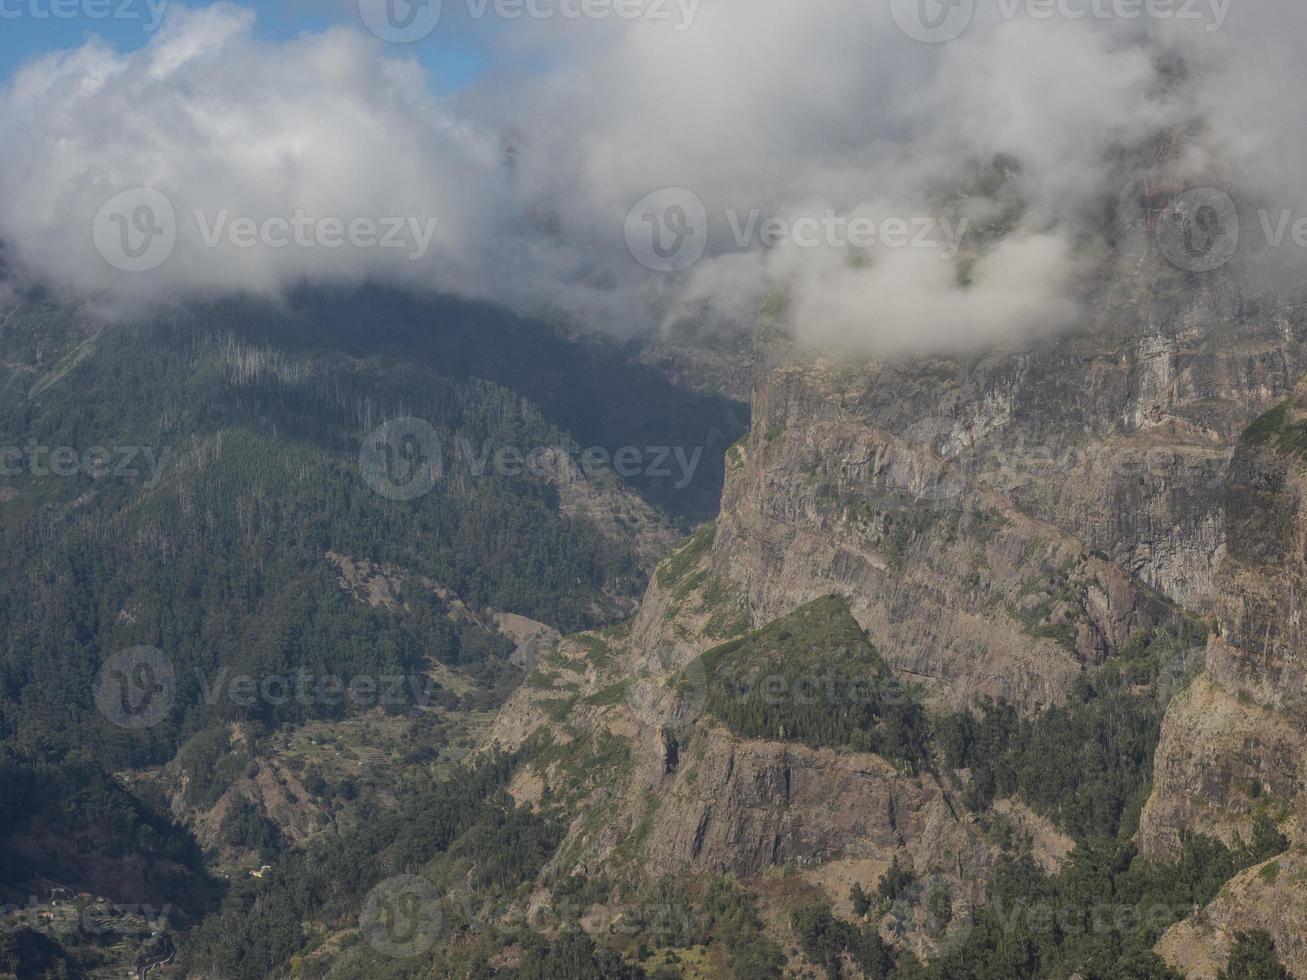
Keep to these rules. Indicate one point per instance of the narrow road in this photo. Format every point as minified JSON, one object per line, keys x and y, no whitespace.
{"x":146,"y":963}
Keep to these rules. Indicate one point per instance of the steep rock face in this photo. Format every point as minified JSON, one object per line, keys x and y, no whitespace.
{"x":747,"y":805}
{"x":1240,"y":732}
{"x":999,"y":522}
{"x":1269,"y":896}
{"x":1219,"y":759}
{"x":685,"y":794}
{"x":1235,"y":742}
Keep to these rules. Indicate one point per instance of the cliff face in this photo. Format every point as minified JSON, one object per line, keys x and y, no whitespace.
{"x":997,"y":524}
{"x":1234,"y":745}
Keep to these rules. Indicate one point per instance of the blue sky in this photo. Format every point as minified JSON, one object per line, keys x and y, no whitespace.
{"x":28,"y":28}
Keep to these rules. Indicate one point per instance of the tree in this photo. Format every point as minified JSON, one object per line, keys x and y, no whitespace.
{"x":1253,"y":957}
{"x":895,"y":881}
{"x":860,"y":899}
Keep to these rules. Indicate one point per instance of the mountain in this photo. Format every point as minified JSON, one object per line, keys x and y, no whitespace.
{"x":1044,"y":545}
{"x":189,"y":510}
{"x":981,"y":665}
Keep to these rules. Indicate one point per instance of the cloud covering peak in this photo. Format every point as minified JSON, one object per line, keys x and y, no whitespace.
{"x":899,"y":195}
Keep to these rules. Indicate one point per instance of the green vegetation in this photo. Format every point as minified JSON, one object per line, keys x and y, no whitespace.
{"x":1099,"y":917}
{"x":217,"y":548}
{"x":826,"y":940}
{"x":467,"y":818}
{"x":1275,"y":427}
{"x":1267,"y":426}
{"x":1253,"y":957}
{"x":97,"y":820}
{"x":674,"y":570}
{"x":860,"y":900}
{"x":1086,"y":764}
{"x":895,"y":882}
{"x":814,"y":677}
{"x":244,"y":826}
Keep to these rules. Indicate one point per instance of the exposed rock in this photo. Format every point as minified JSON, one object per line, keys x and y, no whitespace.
{"x":1270,"y":896}
{"x":1048,"y":846}
{"x":997,"y":524}
{"x":745,"y":806}
{"x":1236,"y":741}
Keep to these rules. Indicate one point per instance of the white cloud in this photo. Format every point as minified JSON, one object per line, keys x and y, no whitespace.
{"x":786,"y":109}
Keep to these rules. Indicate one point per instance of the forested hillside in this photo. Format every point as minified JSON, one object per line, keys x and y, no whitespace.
{"x":193,"y":493}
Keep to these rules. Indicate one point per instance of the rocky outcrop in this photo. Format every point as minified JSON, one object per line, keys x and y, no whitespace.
{"x":1221,"y":757}
{"x":997,"y":524}
{"x":996,"y":527}
{"x":745,"y":806}
{"x":1234,"y":744}
{"x":1238,"y":735}
{"x":1269,"y":896}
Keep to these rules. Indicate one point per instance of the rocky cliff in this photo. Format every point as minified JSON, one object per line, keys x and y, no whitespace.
{"x":998,"y":524}
{"x":1234,"y":744}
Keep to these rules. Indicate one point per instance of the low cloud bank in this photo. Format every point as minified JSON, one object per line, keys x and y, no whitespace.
{"x":897,"y":193}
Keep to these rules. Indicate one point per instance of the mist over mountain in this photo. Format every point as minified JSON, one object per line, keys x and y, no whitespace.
{"x":994,"y":155}
{"x":653,"y":489}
